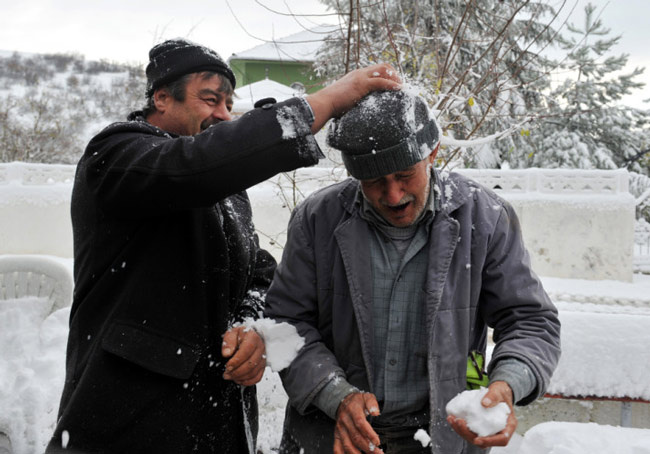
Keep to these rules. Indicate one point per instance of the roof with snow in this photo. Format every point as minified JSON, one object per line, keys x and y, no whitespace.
{"x":246,"y":96}
{"x":301,"y":46}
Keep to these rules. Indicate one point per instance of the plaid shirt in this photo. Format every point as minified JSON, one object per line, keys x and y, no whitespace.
{"x":399,"y":264}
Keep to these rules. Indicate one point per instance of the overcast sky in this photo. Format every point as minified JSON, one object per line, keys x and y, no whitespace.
{"x":125,"y":30}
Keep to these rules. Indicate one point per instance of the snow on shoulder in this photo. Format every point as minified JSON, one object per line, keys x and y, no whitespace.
{"x":480,"y":420}
{"x":281,"y":340}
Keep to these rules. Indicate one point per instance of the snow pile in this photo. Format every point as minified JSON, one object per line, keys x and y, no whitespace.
{"x":272,"y":400}
{"x":281,"y":340}
{"x":578,"y":438}
{"x":32,"y":367}
{"x":592,"y":364}
{"x":480,"y":420}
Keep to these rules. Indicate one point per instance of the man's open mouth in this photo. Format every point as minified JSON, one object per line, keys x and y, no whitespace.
{"x":399,"y":208}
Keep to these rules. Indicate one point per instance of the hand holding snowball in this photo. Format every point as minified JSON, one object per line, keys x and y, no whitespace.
{"x":498,"y":392}
{"x":245,"y":346}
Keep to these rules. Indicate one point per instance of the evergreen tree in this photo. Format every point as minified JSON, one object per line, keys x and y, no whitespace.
{"x":587,"y":126}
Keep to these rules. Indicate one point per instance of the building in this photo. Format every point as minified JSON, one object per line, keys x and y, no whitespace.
{"x":287,"y":60}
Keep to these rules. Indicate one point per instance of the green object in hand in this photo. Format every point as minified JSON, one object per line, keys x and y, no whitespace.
{"x":476,"y":375}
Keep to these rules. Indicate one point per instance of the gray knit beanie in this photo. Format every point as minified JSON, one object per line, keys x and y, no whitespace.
{"x":386,"y":132}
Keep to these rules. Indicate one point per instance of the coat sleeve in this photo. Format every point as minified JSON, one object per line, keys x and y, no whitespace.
{"x":253,"y":303}
{"x":135,"y":169}
{"x":514,"y":303}
{"x":292,"y":298}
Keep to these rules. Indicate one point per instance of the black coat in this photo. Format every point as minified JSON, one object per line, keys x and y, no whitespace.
{"x":165,"y":259}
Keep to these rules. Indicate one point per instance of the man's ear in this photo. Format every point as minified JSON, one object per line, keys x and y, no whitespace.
{"x":434,"y":153}
{"x":161,"y":99}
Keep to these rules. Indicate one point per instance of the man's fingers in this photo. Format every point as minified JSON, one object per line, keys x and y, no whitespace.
{"x":353,"y":425}
{"x":371,"y":404}
{"x":499,"y":391}
{"x":500,"y":439}
{"x":247,"y":364}
{"x":230,"y":342}
{"x":460,"y":426}
{"x":342,"y":442}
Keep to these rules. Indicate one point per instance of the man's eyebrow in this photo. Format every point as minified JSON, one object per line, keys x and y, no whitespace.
{"x":207,"y":91}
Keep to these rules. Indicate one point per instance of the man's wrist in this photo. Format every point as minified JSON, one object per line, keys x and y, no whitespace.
{"x":517,"y":375}
{"x":330,"y":397}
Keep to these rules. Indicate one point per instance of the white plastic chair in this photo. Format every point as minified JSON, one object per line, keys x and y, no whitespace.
{"x":36,"y":275}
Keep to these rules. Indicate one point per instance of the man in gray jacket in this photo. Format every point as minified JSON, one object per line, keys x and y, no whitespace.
{"x":393,"y":277}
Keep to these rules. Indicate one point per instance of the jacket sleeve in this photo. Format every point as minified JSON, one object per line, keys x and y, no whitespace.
{"x":253,"y":303}
{"x":525,"y":322}
{"x":135,"y":169}
{"x":292,"y":298}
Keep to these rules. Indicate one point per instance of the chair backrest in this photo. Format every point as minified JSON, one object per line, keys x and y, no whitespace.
{"x":36,"y":275}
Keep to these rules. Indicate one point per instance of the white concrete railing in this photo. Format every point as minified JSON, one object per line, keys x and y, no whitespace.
{"x":36,"y":174}
{"x":552,"y":181}
{"x":576,"y":223}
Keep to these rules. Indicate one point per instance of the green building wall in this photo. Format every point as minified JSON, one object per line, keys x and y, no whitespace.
{"x":284,"y":72}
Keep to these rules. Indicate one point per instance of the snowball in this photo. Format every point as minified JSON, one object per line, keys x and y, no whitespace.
{"x":423,"y":437}
{"x":281,"y":340}
{"x":480,"y":420}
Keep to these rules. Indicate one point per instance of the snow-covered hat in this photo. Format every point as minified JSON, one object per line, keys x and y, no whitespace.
{"x":174,"y":58}
{"x":386,"y":132}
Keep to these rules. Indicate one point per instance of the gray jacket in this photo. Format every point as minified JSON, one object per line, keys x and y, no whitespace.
{"x":479,"y":275}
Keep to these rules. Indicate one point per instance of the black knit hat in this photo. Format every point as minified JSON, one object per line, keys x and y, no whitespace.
{"x":174,"y":58}
{"x":386,"y":132}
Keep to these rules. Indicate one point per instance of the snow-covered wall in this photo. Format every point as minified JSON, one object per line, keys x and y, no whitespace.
{"x":576,"y":223}
{"x":35,"y":209}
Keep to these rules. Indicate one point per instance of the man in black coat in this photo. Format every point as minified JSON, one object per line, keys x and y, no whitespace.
{"x":166,"y":259}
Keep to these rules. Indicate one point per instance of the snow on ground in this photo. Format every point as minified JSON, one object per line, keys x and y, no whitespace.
{"x":32,"y":342}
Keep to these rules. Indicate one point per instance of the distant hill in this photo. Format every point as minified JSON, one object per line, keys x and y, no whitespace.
{"x":52,"y":104}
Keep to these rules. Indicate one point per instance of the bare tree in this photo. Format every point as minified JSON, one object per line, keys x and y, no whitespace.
{"x":479,"y":63}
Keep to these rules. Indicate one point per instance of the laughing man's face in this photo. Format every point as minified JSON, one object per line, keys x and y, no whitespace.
{"x":400,"y":197}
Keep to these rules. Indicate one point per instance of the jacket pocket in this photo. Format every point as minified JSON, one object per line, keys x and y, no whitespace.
{"x":152,"y":351}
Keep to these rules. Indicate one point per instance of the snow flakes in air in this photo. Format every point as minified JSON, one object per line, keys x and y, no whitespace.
{"x":65,"y":439}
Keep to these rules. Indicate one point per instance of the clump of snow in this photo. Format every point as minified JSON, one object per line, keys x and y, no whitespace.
{"x":423,"y":437}
{"x":281,"y":340}
{"x":578,"y":438}
{"x":286,"y":118}
{"x":593,"y":365}
{"x":272,"y":400}
{"x":480,"y":420}
{"x":32,"y":366}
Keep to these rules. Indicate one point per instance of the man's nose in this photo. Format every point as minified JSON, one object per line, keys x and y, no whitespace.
{"x":393,"y":193}
{"x":221,"y":112}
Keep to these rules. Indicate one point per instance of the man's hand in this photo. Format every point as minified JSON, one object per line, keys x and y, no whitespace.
{"x":339,"y":97}
{"x":246,"y":367}
{"x":499,"y":391}
{"x":353,"y":433}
